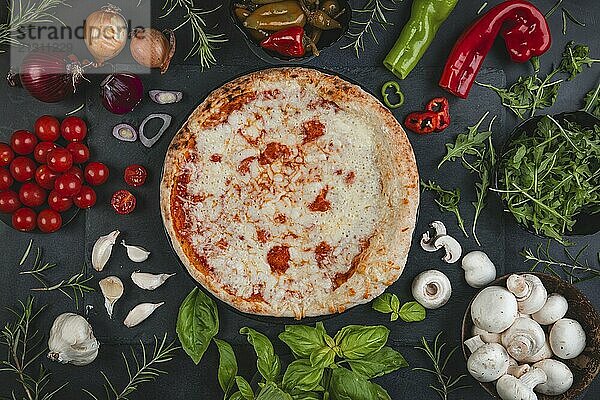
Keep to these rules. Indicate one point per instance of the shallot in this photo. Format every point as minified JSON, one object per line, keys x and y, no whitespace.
{"x":151,"y":48}
{"x":121,"y":93}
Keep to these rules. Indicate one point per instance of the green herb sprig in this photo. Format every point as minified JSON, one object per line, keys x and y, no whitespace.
{"x":566,"y":15}
{"x":388,"y":303}
{"x":592,"y":102}
{"x":573,"y":269}
{"x":447,"y":200}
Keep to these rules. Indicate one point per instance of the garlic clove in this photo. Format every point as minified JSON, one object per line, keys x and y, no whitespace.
{"x":140,"y":312}
{"x":136,"y":253}
{"x":72,"y":340}
{"x":112,"y":289}
{"x":103,"y":249}
{"x":149,"y":281}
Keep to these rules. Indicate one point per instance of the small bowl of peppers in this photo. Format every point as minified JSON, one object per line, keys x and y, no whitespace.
{"x":290,"y":31}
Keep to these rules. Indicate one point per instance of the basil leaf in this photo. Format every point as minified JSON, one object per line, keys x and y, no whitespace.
{"x":271,"y":392}
{"x":301,"y":375}
{"x":322,"y":357}
{"x":307,"y":396}
{"x":227,"y":366}
{"x":412,"y":312}
{"x":357,"y":341}
{"x":377,"y":364}
{"x":197,"y":323}
{"x":382,"y":394}
{"x":302,"y":340}
{"x":267,"y":362}
{"x":383,"y":303}
{"x":237,"y":396}
{"x":348,"y":385}
{"x":244,"y":387}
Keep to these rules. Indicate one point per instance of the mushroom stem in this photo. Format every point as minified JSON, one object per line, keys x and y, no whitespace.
{"x":517,"y":370}
{"x":534,"y":377}
{"x":518,"y":286}
{"x":474,"y":343}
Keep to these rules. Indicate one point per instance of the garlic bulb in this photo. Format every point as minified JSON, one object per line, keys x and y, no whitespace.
{"x":136,"y":253}
{"x":72,"y":340}
{"x":103,"y":249}
{"x":149,"y":281}
{"x":112,"y":289}
{"x":139,"y":313}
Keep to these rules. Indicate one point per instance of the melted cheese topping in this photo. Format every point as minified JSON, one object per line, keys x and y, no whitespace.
{"x":261,"y":176}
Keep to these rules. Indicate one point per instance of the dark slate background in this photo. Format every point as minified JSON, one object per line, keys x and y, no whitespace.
{"x":501,"y":238}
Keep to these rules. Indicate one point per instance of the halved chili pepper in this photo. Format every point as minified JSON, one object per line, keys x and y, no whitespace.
{"x":288,"y":42}
{"x":441,"y":106}
{"x":422,"y":122}
{"x":385,"y":94}
{"x":276,"y":16}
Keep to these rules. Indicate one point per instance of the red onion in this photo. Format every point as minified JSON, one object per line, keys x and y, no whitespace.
{"x":50,"y":76}
{"x":120,"y":93}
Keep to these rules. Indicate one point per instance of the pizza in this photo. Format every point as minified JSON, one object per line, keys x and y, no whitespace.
{"x":291,"y":193}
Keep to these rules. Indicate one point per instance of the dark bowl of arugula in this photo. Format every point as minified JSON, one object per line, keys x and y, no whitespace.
{"x":548,"y":175}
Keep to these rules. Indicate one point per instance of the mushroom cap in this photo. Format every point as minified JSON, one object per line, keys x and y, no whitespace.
{"x":510,"y":388}
{"x":494,"y":309}
{"x":567,"y":338}
{"x":486,"y":336}
{"x":431,"y":289}
{"x":488,"y":363}
{"x":529,"y":290}
{"x":523,"y":339}
{"x":560,"y":377}
{"x":479,"y":269}
{"x":555,"y":308}
{"x":427,"y":240}
{"x":451,"y":246}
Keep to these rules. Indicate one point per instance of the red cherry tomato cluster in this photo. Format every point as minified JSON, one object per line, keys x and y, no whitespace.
{"x":38,"y":174}
{"x":123,"y":201}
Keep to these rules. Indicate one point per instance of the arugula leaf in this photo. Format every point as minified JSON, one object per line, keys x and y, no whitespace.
{"x":197,"y":323}
{"x":302,"y":339}
{"x":574,"y":58}
{"x":377,"y":364}
{"x":267,"y":362}
{"x":470,"y":143}
{"x":447,"y":200}
{"x":302,"y":376}
{"x":227,"y":366}
{"x":349,"y":385}
{"x":356,"y":341}
{"x":592,"y":102}
{"x":387,"y":303}
{"x":271,"y":392}
{"x":244,"y":388}
{"x":412,"y":312}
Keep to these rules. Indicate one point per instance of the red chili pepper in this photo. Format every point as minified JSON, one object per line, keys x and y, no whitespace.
{"x":422,"y":122}
{"x":288,"y":42}
{"x":442,"y":108}
{"x":525,"y":32}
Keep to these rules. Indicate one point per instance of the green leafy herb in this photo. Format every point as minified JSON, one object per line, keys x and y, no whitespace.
{"x":357,"y":341}
{"x":268,"y":362}
{"x":566,"y":14}
{"x":470,"y":143}
{"x":379,"y":363}
{"x":270,"y":391}
{"x":389,"y":303}
{"x":303,"y":340}
{"x":228,"y":368}
{"x":347,"y":384}
{"x":445,"y":383}
{"x":447,"y":200}
{"x":592,"y":102}
{"x":301,"y":375}
{"x":197,"y":323}
{"x":245,"y":390}
{"x":412,"y":312}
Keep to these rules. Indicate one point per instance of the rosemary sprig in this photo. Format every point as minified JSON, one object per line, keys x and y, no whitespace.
{"x":22,"y":13}
{"x":370,"y":16}
{"x":24,"y":345}
{"x":574,"y":270}
{"x":204,"y":43}
{"x":139,"y":370}
{"x":446,"y":383}
{"x":447,"y":200}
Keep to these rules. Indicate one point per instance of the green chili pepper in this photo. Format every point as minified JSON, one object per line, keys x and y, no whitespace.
{"x":385,"y":94}
{"x":426,"y":17}
{"x":319,"y":19}
{"x":276,"y":16}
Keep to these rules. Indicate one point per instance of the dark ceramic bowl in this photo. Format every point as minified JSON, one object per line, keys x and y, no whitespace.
{"x":586,"y":223}
{"x":586,"y":366}
{"x":328,"y":38}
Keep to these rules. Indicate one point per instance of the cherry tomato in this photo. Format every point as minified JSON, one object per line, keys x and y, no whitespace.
{"x":135,"y":175}
{"x":96,"y":173}
{"x":40,"y":153}
{"x":9,"y":201}
{"x":6,"y":155}
{"x":49,"y":221}
{"x":77,"y":171}
{"x":22,"y":169}
{"x":79,"y":151}
{"x":60,"y":160}
{"x":123,"y":202}
{"x":58,"y":202}
{"x":32,"y":195}
{"x":47,"y":128}
{"x":67,"y":185}
{"x":23,"y":142}
{"x":73,"y":129}
{"x":45,"y":177}
{"x":24,"y":219}
{"x":86,"y":197}
{"x":6,"y":179}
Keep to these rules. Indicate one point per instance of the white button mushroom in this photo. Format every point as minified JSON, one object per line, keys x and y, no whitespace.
{"x":451,"y":247}
{"x":494,"y":309}
{"x":523,"y":339}
{"x":488,"y":361}
{"x":511,"y":388}
{"x":479,"y":269}
{"x":427,"y":240}
{"x":486,"y":336}
{"x":431,"y":289}
{"x":529,"y":291}
{"x":560,"y":377}
{"x":567,"y":338}
{"x":555,"y":308}
{"x":517,"y":370}
{"x":544,"y":353}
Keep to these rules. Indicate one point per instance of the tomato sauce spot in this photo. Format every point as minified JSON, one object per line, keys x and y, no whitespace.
{"x":280,"y":218}
{"x":244,"y":166}
{"x":272,"y":152}
{"x":320,"y":204}
{"x":262,"y":235}
{"x":278,"y":258}
{"x":216,"y":158}
{"x":322,"y":252}
{"x":312,"y":130}
{"x":350,"y":178}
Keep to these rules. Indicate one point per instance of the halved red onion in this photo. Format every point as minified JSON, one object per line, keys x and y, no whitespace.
{"x":121,"y":93}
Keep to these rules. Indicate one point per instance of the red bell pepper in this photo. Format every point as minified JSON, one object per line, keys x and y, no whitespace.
{"x":288,"y":42}
{"x":525,"y":32}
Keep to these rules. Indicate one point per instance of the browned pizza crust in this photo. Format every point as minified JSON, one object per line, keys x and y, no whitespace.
{"x":384,"y":256}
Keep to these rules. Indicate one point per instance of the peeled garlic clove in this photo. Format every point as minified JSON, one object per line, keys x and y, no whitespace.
{"x":136,"y":253}
{"x":112,"y":289}
{"x":149,"y":281}
{"x":72,"y":340}
{"x":103,"y":249}
{"x":140,"y":312}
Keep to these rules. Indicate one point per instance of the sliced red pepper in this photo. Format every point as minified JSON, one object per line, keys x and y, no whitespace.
{"x":442,"y":108}
{"x":287,"y":42}
{"x":422,"y":122}
{"x":525,"y":32}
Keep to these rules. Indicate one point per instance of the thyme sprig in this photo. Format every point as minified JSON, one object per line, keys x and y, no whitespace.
{"x":573,"y":269}
{"x":447,"y":200}
{"x":370,"y":17}
{"x":139,"y":369}
{"x":446,"y":384}
{"x":24,"y":345}
{"x":204,"y":43}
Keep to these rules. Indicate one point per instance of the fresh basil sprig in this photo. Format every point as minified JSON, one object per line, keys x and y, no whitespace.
{"x":268,"y":362}
{"x":389,"y":303}
{"x":197,"y":323}
{"x":228,"y":367}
